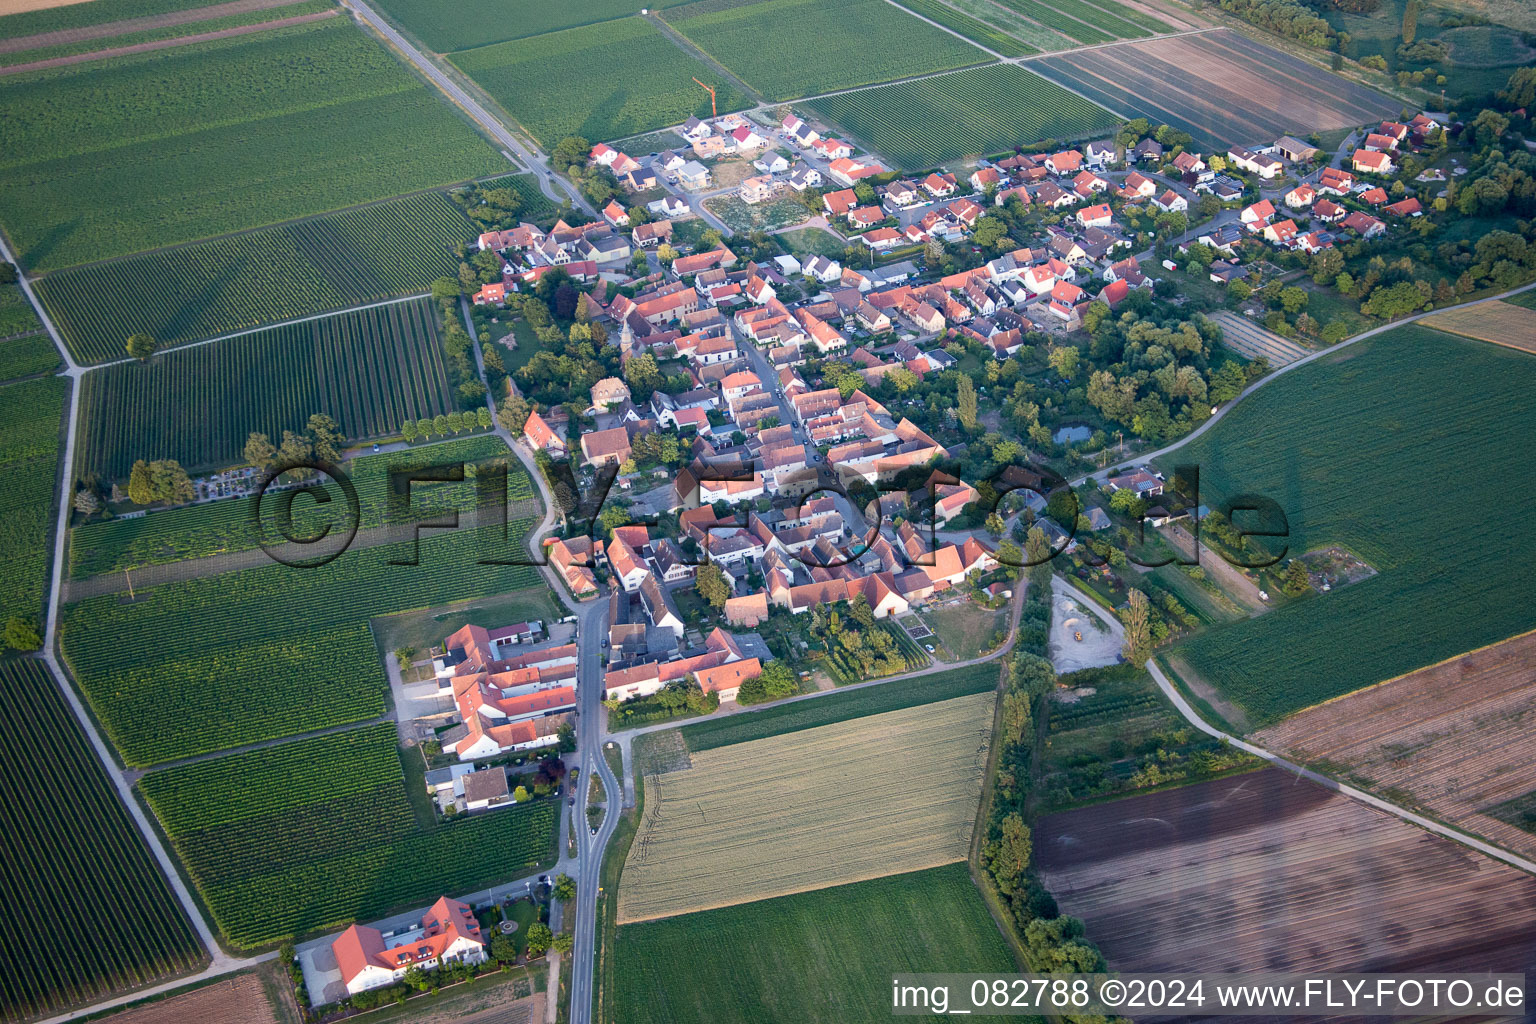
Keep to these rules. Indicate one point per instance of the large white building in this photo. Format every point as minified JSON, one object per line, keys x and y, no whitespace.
{"x":447,"y":933}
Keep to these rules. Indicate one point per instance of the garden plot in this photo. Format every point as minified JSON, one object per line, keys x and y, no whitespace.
{"x":1253,"y":341}
{"x":821,"y":807}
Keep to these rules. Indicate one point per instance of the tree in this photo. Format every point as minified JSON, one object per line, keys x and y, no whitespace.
{"x":711,"y":584}
{"x":565,"y":738}
{"x":325,"y":438}
{"x":1394,"y":300}
{"x":995,"y":525}
{"x":141,"y":347}
{"x":965,"y":401}
{"x":1295,"y":582}
{"x":259,"y":450}
{"x":665,"y":253}
{"x":87,"y":501}
{"x":483,"y":417}
{"x":1138,"y":636}
{"x":1064,"y":361}
{"x":563,"y":943}
{"x":20,"y":634}
{"x":1293,"y":299}
{"x":643,"y":377}
{"x":1007,"y":857}
{"x":140,"y":491}
{"x":513,"y":414}
{"x":565,"y":888}
{"x":1127,"y":502}
{"x":440,"y":425}
{"x":503,"y":949}
{"x":170,"y":483}
{"x":407,"y":431}
{"x":1410,"y":22}
{"x":416,"y":978}
{"x":455,"y":421}
{"x":424,"y":427}
{"x":539,"y":938}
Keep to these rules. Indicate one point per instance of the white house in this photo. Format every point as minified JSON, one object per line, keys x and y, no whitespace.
{"x":448,"y":932}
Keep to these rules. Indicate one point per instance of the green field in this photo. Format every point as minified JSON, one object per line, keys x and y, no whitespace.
{"x":790,"y":48}
{"x":31,"y":431}
{"x":59,"y":19}
{"x":220,"y":661}
{"x":369,"y":370}
{"x":826,"y":955}
{"x":1046,"y":13}
{"x":840,"y":706}
{"x":618,"y":78}
{"x":318,"y":833}
{"x":81,"y":887}
{"x":292,"y":9}
{"x":983,"y":110}
{"x":23,"y":357}
{"x":1408,"y":449}
{"x":448,"y":25}
{"x":217,"y":527}
{"x":1526,"y":299}
{"x":16,"y":313}
{"x":260,"y":277}
{"x":117,"y":156}
{"x":976,"y":31}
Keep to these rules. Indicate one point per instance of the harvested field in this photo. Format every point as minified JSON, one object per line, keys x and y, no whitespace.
{"x":1247,"y":338}
{"x":821,"y":807}
{"x":239,"y":999}
{"x":1453,"y":741}
{"x":1264,"y":872}
{"x":1221,"y":87}
{"x":1502,"y":323}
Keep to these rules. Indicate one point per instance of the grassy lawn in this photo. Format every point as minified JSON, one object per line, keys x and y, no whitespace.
{"x":840,"y":707}
{"x":813,"y":241}
{"x":795,"y":957}
{"x":966,"y":630}
{"x":428,"y":627}
{"x":1327,"y":305}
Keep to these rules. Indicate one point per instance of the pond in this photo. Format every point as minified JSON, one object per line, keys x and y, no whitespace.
{"x":1072,"y":433}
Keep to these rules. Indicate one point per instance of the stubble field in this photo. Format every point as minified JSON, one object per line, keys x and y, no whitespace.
{"x":1454,"y":740}
{"x":1265,"y":872}
{"x":1501,"y":323}
{"x":880,"y":795}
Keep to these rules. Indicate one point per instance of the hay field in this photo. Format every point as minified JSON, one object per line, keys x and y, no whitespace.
{"x":1502,"y":323}
{"x":1265,"y":872}
{"x":842,"y":803}
{"x":1454,"y":740}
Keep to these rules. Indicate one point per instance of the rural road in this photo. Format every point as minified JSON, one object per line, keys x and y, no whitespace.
{"x":1172,"y":693}
{"x":451,"y":89}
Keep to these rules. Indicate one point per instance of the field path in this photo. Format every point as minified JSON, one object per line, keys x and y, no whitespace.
{"x":1173,"y":694}
{"x":165,"y":44}
{"x":120,"y":28}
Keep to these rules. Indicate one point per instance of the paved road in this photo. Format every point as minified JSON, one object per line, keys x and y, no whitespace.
{"x":554,"y":187}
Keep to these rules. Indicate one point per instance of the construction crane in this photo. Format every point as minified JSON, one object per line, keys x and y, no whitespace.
{"x":714,"y":111}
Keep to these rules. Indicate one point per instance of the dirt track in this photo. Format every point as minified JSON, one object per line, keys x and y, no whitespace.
{"x":1264,"y":871}
{"x":162,"y":44}
{"x":118,"y":28}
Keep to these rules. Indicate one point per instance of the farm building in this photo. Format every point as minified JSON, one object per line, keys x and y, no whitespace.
{"x":448,"y":932}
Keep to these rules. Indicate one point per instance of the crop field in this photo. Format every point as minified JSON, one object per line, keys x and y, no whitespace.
{"x":1221,"y":87}
{"x":984,"y":110}
{"x":314,"y":834}
{"x":31,"y":430}
{"x":1338,"y":443}
{"x":219,"y":661}
{"x":87,"y":911}
{"x":839,"y":811}
{"x":978,"y":32}
{"x":822,"y":956}
{"x":1251,"y":340}
{"x":1501,"y":323}
{"x":82,"y":15}
{"x":369,"y":370}
{"x":121,"y":155}
{"x":1525,"y":300}
{"x":237,"y":999}
{"x":448,"y":25}
{"x":841,"y":707}
{"x":748,"y":37}
{"x":218,"y":527}
{"x":16,"y":313}
{"x":241,"y":281}
{"x":1100,"y":21}
{"x":1453,"y":740}
{"x":619,"y":78}
{"x":1265,"y":872}
{"x":28,"y":355}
